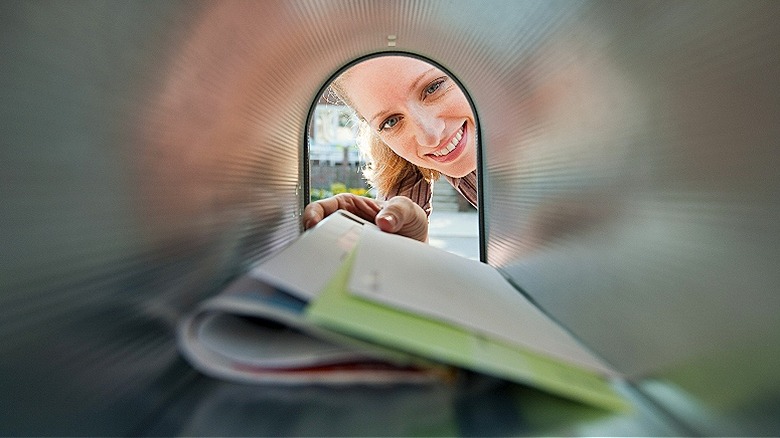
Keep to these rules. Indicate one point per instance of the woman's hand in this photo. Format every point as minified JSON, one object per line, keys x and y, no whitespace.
{"x":398,"y":215}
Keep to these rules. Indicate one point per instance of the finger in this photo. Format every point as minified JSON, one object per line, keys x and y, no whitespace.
{"x":319,"y":210}
{"x":313,"y":213}
{"x":361,"y":206}
{"x":400,"y":215}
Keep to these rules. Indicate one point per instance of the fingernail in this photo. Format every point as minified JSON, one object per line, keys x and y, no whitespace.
{"x":389,"y":220}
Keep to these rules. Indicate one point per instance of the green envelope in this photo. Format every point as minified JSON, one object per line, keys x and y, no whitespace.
{"x":337,"y":309}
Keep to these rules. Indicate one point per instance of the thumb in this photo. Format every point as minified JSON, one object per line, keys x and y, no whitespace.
{"x":400,"y":215}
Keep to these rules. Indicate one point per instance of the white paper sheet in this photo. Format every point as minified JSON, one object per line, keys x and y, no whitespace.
{"x":303,"y":268}
{"x":412,"y":275}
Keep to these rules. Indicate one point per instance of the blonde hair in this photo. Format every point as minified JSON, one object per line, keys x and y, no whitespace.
{"x":384,"y":169}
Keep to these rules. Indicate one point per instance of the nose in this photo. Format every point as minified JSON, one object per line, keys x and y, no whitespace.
{"x":428,"y":127}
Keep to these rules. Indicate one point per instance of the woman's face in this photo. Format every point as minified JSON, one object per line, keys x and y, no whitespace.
{"x":417,"y":110}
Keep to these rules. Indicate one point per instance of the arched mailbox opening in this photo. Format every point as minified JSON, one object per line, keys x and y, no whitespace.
{"x":396,"y":123}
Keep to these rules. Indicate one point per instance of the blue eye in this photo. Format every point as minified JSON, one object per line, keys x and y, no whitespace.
{"x":434,"y":86}
{"x":390,"y":122}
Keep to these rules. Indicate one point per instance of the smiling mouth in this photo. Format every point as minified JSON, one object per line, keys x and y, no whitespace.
{"x":443,"y":152}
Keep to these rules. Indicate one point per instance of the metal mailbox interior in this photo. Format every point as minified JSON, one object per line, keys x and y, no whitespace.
{"x":152,"y":151}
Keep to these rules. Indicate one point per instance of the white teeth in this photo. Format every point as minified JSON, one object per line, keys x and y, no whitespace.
{"x":450,"y":147}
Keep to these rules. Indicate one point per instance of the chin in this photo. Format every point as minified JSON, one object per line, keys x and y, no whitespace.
{"x":459,"y":171}
{"x":457,"y":174}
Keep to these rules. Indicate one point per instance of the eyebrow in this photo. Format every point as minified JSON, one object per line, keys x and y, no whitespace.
{"x":412,"y":87}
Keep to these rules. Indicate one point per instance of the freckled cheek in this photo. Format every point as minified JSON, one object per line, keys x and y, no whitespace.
{"x":458,"y":102}
{"x":465,"y":110}
{"x":405,"y":147}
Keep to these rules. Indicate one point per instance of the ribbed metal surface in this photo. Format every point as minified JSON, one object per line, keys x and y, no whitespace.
{"x":150,"y":151}
{"x":632,"y":190}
